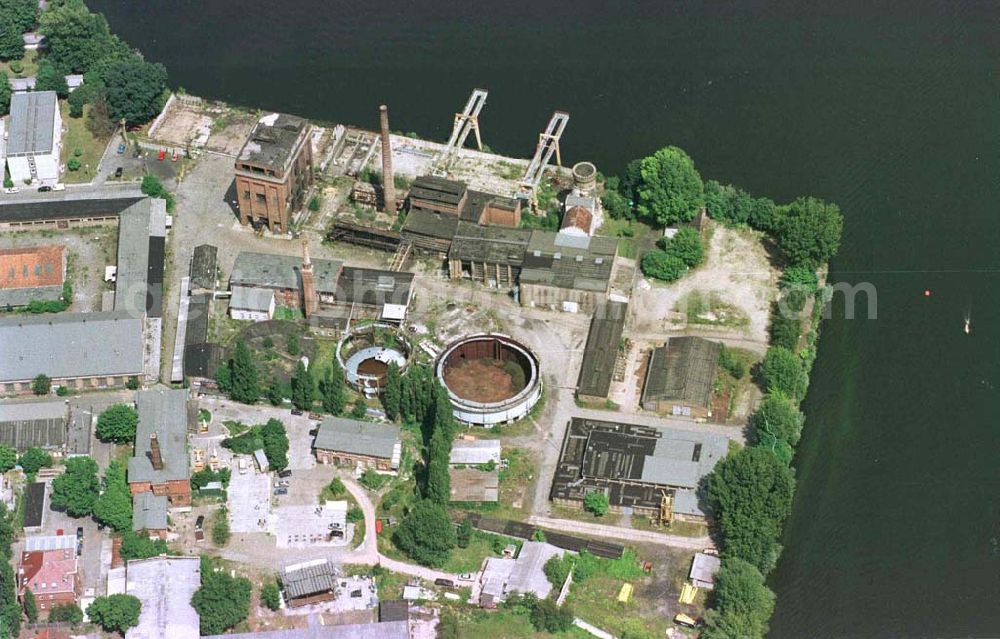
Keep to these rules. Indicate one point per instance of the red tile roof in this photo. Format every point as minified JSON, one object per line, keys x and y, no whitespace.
{"x":578,"y":217}
{"x":48,"y":571}
{"x":31,"y":266}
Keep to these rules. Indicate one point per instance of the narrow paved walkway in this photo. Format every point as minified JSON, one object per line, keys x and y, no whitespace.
{"x":627,"y":534}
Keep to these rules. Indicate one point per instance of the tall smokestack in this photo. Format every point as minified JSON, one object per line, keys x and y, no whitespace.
{"x":388,"y":185}
{"x":310,"y":302}
{"x":154,"y":452}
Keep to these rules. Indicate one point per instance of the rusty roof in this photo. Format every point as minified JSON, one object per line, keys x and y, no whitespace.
{"x":32,"y":266}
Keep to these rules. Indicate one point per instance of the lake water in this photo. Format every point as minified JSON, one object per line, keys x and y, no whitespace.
{"x":889,"y":109}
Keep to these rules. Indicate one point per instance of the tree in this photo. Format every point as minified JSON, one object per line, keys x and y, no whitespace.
{"x":76,"y":490}
{"x":220,"y":528}
{"x":270,"y":595}
{"x":314,"y":203}
{"x":616,"y":204}
{"x":117,"y":424}
{"x":5,"y":92}
{"x":464,"y":533}
{"x":76,"y":38}
{"x":115,"y":613}
{"x":8,"y":458}
{"x":140,"y":546}
{"x":222,"y":601}
{"x":391,"y":392}
{"x":244,"y":384}
{"x":99,"y":121}
{"x":10,"y":609}
{"x":548,"y":616}
{"x":48,"y":79}
{"x":224,"y":377}
{"x":764,"y":215}
{"x":303,"y":387}
{"x":134,"y":89}
{"x":33,"y":459}
{"x":360,"y":410}
{"x":751,"y":493}
{"x":426,"y":534}
{"x":782,"y":372}
{"x":438,"y":484}
{"x":742,"y":603}
{"x":30,"y":608}
{"x":73,"y":164}
{"x":275,"y":444}
{"x":557,"y":569}
{"x":19,"y":16}
{"x":809,"y":231}
{"x":687,"y":246}
{"x":670,"y":189}
{"x":76,"y":101}
{"x":778,"y":417}
{"x":7,"y":530}
{"x":596,"y":502}
{"x":661,"y":265}
{"x":11,"y":44}
{"x":41,"y":385}
{"x":332,"y":388}
{"x":114,"y":506}
{"x":292,"y":345}
{"x":66,"y":613}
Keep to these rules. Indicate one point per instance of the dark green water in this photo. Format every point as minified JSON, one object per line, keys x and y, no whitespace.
{"x":891,"y":110}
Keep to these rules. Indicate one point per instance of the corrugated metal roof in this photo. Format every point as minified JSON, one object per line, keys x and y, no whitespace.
{"x":304,"y":580}
{"x":282,"y":271}
{"x":246,"y":298}
{"x":357,"y":437}
{"x":682,"y":370}
{"x":601,"y":351}
{"x":473,"y":452}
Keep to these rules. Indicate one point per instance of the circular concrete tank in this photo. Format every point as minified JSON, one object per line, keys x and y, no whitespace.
{"x":365,"y":353}
{"x":490,"y":378}
{"x":584,"y":176}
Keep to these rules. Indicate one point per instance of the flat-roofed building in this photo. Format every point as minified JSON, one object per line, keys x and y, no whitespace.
{"x":33,"y":138}
{"x":31,"y":273}
{"x":349,"y":442}
{"x":474,"y":485}
{"x":78,"y":350}
{"x":503,"y":576}
{"x":25,"y":425}
{"x":160,"y":462}
{"x":204,"y":269}
{"x":680,"y":377}
{"x":273,"y":171}
{"x":35,"y":498}
{"x":600,"y":354}
{"x":149,"y":514}
{"x":438,"y":194}
{"x":474,"y":452}
{"x":704,"y":568}
{"x":567,"y":272}
{"x":164,"y":587}
{"x":635,"y":466}
{"x":251,"y":304}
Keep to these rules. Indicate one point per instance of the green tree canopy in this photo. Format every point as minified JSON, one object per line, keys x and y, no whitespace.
{"x":778,"y":417}
{"x":5,"y":92}
{"x":114,"y":506}
{"x":10,"y":610}
{"x":670,"y":189}
{"x":222,"y":601}
{"x":782,"y":372}
{"x":115,"y":613}
{"x":19,"y":15}
{"x":596,"y":502}
{"x":117,"y":424}
{"x":76,"y":490}
{"x":426,"y":534}
{"x":33,"y":460}
{"x":69,"y":613}
{"x":8,"y":458}
{"x":661,"y":265}
{"x":438,"y":484}
{"x":41,"y":385}
{"x":11,"y":43}
{"x":7,"y":530}
{"x":303,"y":387}
{"x":49,"y":79}
{"x":391,"y":393}
{"x":270,"y":595}
{"x":548,"y":616}
{"x":76,"y":38}
{"x":809,"y":231}
{"x":244,"y":378}
{"x":742,"y":603}
{"x":687,"y":246}
{"x":275,"y":444}
{"x":751,"y":493}
{"x":140,"y":546}
{"x":30,"y":607}
{"x":332,"y":389}
{"x":134,"y":89}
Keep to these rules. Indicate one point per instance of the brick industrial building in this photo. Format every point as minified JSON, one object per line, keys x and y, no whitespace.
{"x":160,"y":461}
{"x":273,"y":171}
{"x":348,"y":442}
{"x":31,"y":273}
{"x":48,"y":568}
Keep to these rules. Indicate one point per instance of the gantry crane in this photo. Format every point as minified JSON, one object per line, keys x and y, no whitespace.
{"x":548,"y":143}
{"x":465,"y":122}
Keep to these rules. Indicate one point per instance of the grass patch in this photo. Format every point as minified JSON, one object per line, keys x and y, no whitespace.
{"x":499,"y":624}
{"x":235,"y":428}
{"x":594,"y":597}
{"x":708,"y":309}
{"x":287,"y":313}
{"x":481,"y":545}
{"x":29,"y":64}
{"x":79,"y":137}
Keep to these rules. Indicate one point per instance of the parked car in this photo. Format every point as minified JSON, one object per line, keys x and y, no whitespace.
{"x":11,"y":190}
{"x":44,"y":189}
{"x":162,"y":154}
{"x":79,"y":532}
{"x":199,"y":535}
{"x":314,"y":432}
{"x":118,"y":172}
{"x":285,"y":473}
{"x":121,"y":148}
{"x":683,"y":620}
{"x":315,"y":416}
{"x":296,"y":411}
{"x":284,"y":482}
{"x":200,"y":522}
{"x":280,"y":491}
{"x":175,"y":156}
{"x":447,"y":583}
{"x":465,"y":576}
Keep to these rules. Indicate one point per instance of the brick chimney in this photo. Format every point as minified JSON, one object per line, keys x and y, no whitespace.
{"x":310,"y":301}
{"x":154,"y":452}
{"x":388,"y":185}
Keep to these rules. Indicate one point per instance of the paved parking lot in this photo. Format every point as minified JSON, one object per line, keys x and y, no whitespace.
{"x":307,"y":527}
{"x":249,"y":500}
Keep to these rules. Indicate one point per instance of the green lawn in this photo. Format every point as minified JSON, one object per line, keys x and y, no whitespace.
{"x":78,"y":137}
{"x":708,"y":309}
{"x":29,"y":62}
{"x":480,"y":547}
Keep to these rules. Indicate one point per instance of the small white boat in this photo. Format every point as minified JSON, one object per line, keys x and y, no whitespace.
{"x":968,"y":324}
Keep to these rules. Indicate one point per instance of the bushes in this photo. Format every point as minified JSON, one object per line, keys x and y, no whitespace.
{"x":732,"y":364}
{"x":596,"y":502}
{"x":271,"y":437}
{"x":785,"y":331}
{"x":663,"y":266}
{"x":270,"y":595}
{"x":557,"y":569}
{"x":73,"y":164}
{"x":426,"y":534}
{"x":782,"y":372}
{"x":139,"y":546}
{"x":222,"y":601}
{"x":41,"y":385}
{"x":220,"y":527}
{"x":117,"y":424}
{"x":152,"y":187}
{"x":373,"y":480}
{"x":742,"y":602}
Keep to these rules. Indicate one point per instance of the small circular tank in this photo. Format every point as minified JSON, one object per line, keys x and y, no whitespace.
{"x":584,"y":176}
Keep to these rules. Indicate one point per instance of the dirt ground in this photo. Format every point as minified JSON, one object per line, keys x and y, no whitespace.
{"x":737,"y":272}
{"x":91,"y":248}
{"x":480,"y":380}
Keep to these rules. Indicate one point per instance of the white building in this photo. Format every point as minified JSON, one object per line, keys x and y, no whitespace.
{"x":164,"y":586}
{"x":474,"y":452}
{"x":33,"y":138}
{"x":254,"y":304}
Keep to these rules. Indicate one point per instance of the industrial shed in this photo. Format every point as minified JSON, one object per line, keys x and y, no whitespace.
{"x":26,"y":425}
{"x":601,"y":351}
{"x":566,"y":272}
{"x":489,"y":255}
{"x":309,"y":582}
{"x":204,"y":267}
{"x":680,"y":377}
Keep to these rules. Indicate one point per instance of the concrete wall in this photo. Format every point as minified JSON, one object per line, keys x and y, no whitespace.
{"x":542,"y":296}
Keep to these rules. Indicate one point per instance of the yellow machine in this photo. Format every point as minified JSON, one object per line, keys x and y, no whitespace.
{"x":688,"y":593}
{"x":666,"y":509}
{"x":625,"y":593}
